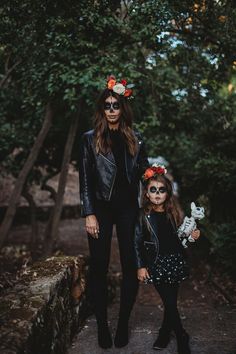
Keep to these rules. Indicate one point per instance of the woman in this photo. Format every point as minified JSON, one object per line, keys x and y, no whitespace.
{"x":112,"y":161}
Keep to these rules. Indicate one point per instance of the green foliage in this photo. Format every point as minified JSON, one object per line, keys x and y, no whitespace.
{"x":223,"y":239}
{"x":181,"y":57}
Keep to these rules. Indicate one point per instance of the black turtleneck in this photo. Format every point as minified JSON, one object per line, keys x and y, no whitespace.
{"x":123,"y":191}
{"x":168,"y":240}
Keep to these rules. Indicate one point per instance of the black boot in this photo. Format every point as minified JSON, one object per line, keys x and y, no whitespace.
{"x":122,"y":336}
{"x":183,"y":343}
{"x":104,"y":336}
{"x":162,"y":340}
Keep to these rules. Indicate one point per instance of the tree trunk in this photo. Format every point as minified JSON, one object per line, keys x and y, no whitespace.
{"x":49,"y":223}
{"x":15,"y":196}
{"x":53,"y":224}
{"x":34,"y":226}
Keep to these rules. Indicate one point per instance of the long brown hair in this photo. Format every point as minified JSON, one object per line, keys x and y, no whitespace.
{"x":102,"y":139}
{"x":171,"y":205}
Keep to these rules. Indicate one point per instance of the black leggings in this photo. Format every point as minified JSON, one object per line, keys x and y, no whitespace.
{"x":124,"y":217}
{"x":171,"y":319}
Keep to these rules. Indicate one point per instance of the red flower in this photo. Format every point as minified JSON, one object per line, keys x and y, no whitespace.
{"x":123,"y":82}
{"x":159,"y":170}
{"x":128,"y":92}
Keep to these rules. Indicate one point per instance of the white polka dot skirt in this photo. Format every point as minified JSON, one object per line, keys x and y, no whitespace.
{"x":169,"y":269}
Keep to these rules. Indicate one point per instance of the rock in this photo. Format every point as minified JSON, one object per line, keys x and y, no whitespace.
{"x":40,"y":314}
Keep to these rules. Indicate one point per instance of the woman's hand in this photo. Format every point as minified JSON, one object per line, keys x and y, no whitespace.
{"x":92,"y":226}
{"x":195,"y":234}
{"x":142,"y":274}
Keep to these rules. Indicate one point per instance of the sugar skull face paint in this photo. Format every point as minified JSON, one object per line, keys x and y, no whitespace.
{"x":156,"y":192}
{"x":111,"y":106}
{"x":112,"y":111}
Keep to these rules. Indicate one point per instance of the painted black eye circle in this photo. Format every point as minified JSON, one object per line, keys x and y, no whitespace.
{"x":162,"y":189}
{"x":116,"y":105}
{"x":107,"y":105}
{"x":153,"y":189}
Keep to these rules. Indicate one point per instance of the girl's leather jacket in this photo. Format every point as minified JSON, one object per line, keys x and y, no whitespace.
{"x":97,"y":172}
{"x":146,"y":240}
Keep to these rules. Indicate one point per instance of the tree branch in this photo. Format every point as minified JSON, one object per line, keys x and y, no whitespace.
{"x":8,"y":73}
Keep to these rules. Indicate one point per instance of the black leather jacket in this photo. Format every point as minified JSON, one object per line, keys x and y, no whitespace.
{"x":146,"y":240}
{"x":97,"y":172}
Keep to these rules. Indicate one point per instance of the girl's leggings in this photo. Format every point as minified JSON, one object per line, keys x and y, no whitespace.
{"x":171,"y":319}
{"x":124,"y":217}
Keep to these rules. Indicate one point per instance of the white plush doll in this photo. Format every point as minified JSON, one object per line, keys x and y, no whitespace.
{"x":189,"y":224}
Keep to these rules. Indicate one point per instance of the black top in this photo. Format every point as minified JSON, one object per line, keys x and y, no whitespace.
{"x":123,"y":191}
{"x":169,"y":242}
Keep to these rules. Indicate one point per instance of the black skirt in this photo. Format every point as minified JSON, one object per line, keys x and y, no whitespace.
{"x":169,"y":269}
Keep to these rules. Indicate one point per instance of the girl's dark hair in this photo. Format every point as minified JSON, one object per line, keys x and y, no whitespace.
{"x":171,"y":205}
{"x":102,"y":139}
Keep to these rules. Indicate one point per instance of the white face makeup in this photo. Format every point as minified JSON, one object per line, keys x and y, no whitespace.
{"x":156,"y":193}
{"x":112,"y":112}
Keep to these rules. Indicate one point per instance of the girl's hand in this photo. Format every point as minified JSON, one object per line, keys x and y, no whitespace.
{"x":195,"y":234}
{"x":142,"y":274}
{"x":92,"y":226}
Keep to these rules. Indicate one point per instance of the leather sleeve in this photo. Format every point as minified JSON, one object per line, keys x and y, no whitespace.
{"x":86,"y":167}
{"x":138,"y":243}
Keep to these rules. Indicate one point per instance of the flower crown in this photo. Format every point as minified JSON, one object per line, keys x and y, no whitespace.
{"x":119,"y":87}
{"x":153,"y":171}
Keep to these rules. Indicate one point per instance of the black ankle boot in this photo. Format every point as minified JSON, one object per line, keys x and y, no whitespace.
{"x":162,"y":340}
{"x":183,"y":343}
{"x":104,"y":336}
{"x":122,"y":336}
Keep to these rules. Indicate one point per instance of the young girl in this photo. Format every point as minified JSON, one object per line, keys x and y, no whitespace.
{"x":160,"y":256}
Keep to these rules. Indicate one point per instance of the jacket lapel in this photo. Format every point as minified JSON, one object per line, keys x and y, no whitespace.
{"x":109,"y":157}
{"x":150,"y":225}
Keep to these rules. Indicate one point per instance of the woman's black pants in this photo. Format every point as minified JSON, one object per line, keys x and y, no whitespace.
{"x":109,"y":213}
{"x":169,"y":296}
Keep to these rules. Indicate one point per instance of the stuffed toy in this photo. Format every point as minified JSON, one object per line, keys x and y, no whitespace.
{"x":189,"y":224}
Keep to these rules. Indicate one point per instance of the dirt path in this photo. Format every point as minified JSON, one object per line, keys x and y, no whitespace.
{"x":205,"y":312}
{"x":211,"y":330}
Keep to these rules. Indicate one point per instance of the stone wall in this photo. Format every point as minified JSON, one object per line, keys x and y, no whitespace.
{"x":45,"y":308}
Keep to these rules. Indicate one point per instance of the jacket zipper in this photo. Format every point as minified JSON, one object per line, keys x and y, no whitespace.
{"x":154,"y":234}
{"x":113,"y":181}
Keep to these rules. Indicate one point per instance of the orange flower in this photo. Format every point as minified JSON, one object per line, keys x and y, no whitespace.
{"x":111,"y":83}
{"x":148,"y":173}
{"x":128,"y":92}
